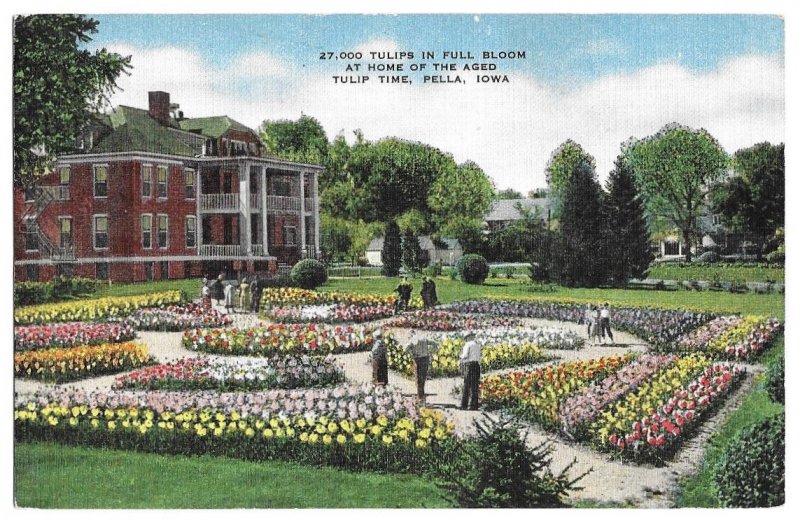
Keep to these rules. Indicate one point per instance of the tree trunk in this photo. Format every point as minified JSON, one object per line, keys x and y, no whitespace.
{"x":687,"y":240}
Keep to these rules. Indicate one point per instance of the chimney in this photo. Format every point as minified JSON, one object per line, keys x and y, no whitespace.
{"x":159,"y":106}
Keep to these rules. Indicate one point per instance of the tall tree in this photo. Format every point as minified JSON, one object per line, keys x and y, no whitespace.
{"x":412,"y":252}
{"x":508,"y":193}
{"x":582,"y":233}
{"x":628,"y":242}
{"x":461,"y":192}
{"x":302,"y":140}
{"x":752,"y":201}
{"x":674,"y":169}
{"x":392,"y":253}
{"x":564,"y":162}
{"x":58,"y":86}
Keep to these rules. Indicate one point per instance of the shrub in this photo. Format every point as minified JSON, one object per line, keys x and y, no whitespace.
{"x":752,"y":471}
{"x":499,"y":470}
{"x":775,"y":385}
{"x":308,"y":274}
{"x":435,"y":269}
{"x":59,"y":288}
{"x":472,"y":269}
{"x":32,"y":293}
{"x":709,"y":257}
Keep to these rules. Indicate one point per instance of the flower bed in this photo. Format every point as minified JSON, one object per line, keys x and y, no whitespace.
{"x":329,"y":313}
{"x":746,"y":339}
{"x":448,"y":321}
{"x":698,"y":339}
{"x":349,"y":426}
{"x":536,"y":394}
{"x":69,"y":364}
{"x":289,"y":296}
{"x":577,"y":411}
{"x":100,"y":309}
{"x":202,"y":373}
{"x":670,"y":411}
{"x":656,"y":326}
{"x":176,"y":318}
{"x":281,"y":339}
{"x":63,"y":335}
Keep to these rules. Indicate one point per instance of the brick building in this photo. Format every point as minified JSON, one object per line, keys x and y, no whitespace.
{"x":149,"y":194}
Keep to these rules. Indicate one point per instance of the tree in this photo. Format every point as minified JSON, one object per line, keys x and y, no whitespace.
{"x":412,"y":220}
{"x":508,"y":193}
{"x":564,"y":162}
{"x":673,"y":170}
{"x":468,"y":232}
{"x":335,"y":238}
{"x":303,"y":140}
{"x":628,"y":239}
{"x":57,"y":86}
{"x":464,"y":191}
{"x":413,"y":255}
{"x":752,"y":201}
{"x":392,"y":254}
{"x":582,"y":231}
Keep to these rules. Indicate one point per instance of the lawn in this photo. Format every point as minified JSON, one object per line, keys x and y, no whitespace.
{"x":58,"y":476}
{"x":718,"y":272}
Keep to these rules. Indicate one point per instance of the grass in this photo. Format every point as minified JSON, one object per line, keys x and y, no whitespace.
{"x":720,"y":272}
{"x":700,"y":490}
{"x":58,"y":476}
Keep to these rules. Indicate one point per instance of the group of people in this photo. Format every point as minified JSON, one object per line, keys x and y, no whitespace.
{"x":598,"y":323}
{"x":427,"y":292}
{"x":421,"y":351}
{"x":244,"y":296}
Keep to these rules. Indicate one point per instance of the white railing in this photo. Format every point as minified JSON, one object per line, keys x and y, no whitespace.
{"x":63,"y":192}
{"x":255,"y":200}
{"x":257,"y":249}
{"x":215,"y":201}
{"x":278,"y":204}
{"x":220,"y":250}
{"x":309,"y":205}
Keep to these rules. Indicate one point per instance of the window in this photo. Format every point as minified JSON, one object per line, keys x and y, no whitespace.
{"x":30,"y":193}
{"x":147,"y":231}
{"x":188,"y":176}
{"x":163,"y":241}
{"x":191,"y":232}
{"x":65,"y":270}
{"x":101,"y":181}
{"x":163,"y":268}
{"x":31,"y":240}
{"x":289,"y":235}
{"x":671,"y":248}
{"x":148,"y":271}
{"x":65,"y":231}
{"x":162,"y":182}
{"x":64,"y":175}
{"x":147,"y":180}
{"x":32,"y":272}
{"x":101,"y":231}
{"x":101,"y":271}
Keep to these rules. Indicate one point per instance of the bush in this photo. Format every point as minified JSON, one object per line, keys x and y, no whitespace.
{"x":308,"y":274}
{"x":472,"y":269}
{"x":752,"y":471}
{"x":434,"y":270}
{"x":775,"y":384}
{"x":499,"y":470}
{"x":709,"y":257}
{"x":59,"y":288}
{"x":32,"y":293}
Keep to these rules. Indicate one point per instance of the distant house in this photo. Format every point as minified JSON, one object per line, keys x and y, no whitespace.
{"x":505,"y":212}
{"x":445,"y":250}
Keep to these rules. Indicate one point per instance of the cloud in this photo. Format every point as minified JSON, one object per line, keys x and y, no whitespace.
{"x":510,"y":130}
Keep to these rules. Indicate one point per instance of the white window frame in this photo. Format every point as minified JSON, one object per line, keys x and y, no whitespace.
{"x":141,"y":228}
{"x":25,"y":237}
{"x":158,"y":230}
{"x":71,"y":229}
{"x":294,"y":242}
{"x":187,"y":171}
{"x":147,"y":167}
{"x":188,"y":218}
{"x":94,"y":181}
{"x":68,"y":169}
{"x":158,"y":182}
{"x":94,"y":231}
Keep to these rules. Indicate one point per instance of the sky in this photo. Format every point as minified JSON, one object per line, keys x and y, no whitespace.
{"x":595,"y":79}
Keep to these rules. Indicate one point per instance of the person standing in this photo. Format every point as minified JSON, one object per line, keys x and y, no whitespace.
{"x":217,"y":289}
{"x":588,"y":316}
{"x":256,"y":288}
{"x":428,"y":293}
{"x":470,"y":359}
{"x":605,"y":323}
{"x":244,"y":295}
{"x":420,"y":351}
{"x":228,"y":292}
{"x":380,"y":365}
{"x":596,"y":326}
{"x":403,"y":291}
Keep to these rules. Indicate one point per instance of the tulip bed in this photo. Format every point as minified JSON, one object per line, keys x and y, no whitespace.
{"x":175,"y":318}
{"x":281,"y":339}
{"x":69,"y":364}
{"x":202,"y":373}
{"x":100,"y":309}
{"x":355,"y":427}
{"x":731,"y":337}
{"x":289,"y":296}
{"x":448,"y":321}
{"x":658,"y":327}
{"x":330,"y":313}
{"x":64,"y":335}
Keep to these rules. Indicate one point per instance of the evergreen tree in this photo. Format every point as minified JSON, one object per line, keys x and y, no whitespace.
{"x":581,"y":252}
{"x":412,"y":252}
{"x":391,"y":255}
{"x":628,"y":241}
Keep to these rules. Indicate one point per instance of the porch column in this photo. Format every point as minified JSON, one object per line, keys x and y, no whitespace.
{"x":316,"y":213}
{"x":264,"y":212}
{"x":303,"y":213}
{"x":198,"y":229}
{"x":244,"y":207}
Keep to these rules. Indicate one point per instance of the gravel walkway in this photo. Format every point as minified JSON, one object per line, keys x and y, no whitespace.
{"x":609,"y":480}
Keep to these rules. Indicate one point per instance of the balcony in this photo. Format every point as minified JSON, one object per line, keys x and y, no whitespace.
{"x":278,"y":204}
{"x":220,"y":250}
{"x":219,"y":202}
{"x":309,"y":205}
{"x":255,"y":201}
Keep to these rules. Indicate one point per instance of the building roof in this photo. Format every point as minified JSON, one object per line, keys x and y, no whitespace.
{"x":507,"y":209}
{"x":425,"y":242}
{"x":213,"y":127}
{"x":134,"y":129}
